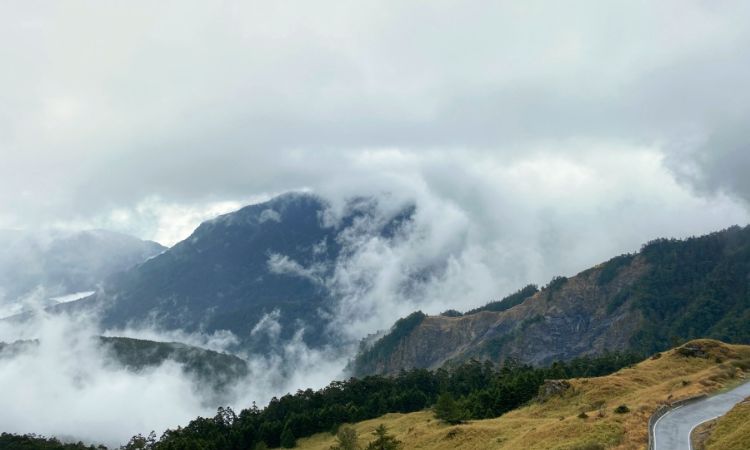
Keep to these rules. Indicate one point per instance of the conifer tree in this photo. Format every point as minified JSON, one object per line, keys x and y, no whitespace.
{"x":447,"y":410}
{"x":287,"y":438}
{"x":383,"y":440}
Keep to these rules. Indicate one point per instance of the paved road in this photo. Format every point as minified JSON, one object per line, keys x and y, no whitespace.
{"x":672,"y":430}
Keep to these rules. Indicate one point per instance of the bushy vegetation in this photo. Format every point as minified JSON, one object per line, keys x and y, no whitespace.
{"x":209,"y":367}
{"x":622,"y":409}
{"x":555,"y":284}
{"x":385,"y":346}
{"x":383,"y":440}
{"x":474,"y":390}
{"x":695,"y":288}
{"x":611,"y":268}
{"x":33,"y":442}
{"x":508,"y":302}
{"x":731,"y":431}
{"x":346,"y":439}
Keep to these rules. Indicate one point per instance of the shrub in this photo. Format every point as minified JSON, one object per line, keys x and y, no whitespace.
{"x":622,"y":409}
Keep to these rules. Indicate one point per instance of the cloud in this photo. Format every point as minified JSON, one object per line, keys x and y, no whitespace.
{"x":516,"y":222}
{"x":718,"y":164}
{"x":68,"y":386}
{"x":195,"y":104}
{"x":282,"y":264}
{"x":535,"y":139}
{"x":270,"y":214}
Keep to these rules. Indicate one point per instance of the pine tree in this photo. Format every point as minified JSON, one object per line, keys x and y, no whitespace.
{"x":287,"y":438}
{"x":346,"y":439}
{"x":383,"y":441}
{"x":447,"y":410}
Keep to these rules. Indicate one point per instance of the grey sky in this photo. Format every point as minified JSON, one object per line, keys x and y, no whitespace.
{"x":536,"y":138}
{"x":151,"y":117}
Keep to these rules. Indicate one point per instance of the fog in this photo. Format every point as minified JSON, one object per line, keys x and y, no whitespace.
{"x":533,"y":138}
{"x":69,"y":386}
{"x":483,"y":229}
{"x":516,"y":222}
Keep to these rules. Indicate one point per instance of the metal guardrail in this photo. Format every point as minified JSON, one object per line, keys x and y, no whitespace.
{"x":663,"y":409}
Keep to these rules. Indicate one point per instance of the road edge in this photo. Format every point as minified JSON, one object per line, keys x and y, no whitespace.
{"x":661,"y":410}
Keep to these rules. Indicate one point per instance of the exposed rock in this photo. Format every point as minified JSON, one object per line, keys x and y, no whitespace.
{"x":571,"y":320}
{"x":692,"y":350}
{"x":672,"y":289}
{"x":552,"y":388}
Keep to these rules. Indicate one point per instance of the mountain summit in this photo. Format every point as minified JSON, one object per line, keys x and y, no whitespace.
{"x":260,"y":272}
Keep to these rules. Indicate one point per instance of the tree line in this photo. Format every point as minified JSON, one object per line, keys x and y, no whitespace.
{"x":477,"y":389}
{"x":472,"y":390}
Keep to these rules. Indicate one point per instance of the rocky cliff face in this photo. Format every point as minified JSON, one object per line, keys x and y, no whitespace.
{"x":569,"y":318}
{"x":671,"y":291}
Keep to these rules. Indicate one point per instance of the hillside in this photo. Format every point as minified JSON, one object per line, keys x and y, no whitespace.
{"x":729,"y":432}
{"x":671,"y":291}
{"x":59,"y":263}
{"x":206,"y":367}
{"x":266,"y":260}
{"x":558,"y":422}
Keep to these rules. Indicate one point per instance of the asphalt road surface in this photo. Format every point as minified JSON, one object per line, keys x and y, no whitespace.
{"x":672,"y":430}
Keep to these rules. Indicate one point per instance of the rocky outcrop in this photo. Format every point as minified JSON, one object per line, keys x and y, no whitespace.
{"x":553,"y":388}
{"x":671,"y":291}
{"x":568,"y":318}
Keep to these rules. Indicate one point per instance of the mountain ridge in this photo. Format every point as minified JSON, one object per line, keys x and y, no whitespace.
{"x":36,"y":266}
{"x":672,"y":290}
{"x":258,"y":272}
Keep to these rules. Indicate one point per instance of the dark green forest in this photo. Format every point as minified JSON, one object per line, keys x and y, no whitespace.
{"x":33,"y":442}
{"x":507,"y":302}
{"x":476,"y":390}
{"x":480,"y":390}
{"x":696,"y":288}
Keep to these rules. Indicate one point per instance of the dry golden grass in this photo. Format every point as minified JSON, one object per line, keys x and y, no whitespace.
{"x":555,"y":425}
{"x":732,"y":431}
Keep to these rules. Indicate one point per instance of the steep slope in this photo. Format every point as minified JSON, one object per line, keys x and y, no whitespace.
{"x":672,"y":290}
{"x":609,"y":412}
{"x":58,"y":263}
{"x":259,"y":272}
{"x":729,"y":432}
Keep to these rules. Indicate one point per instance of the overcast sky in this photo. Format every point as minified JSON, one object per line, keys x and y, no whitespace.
{"x":545,"y":123}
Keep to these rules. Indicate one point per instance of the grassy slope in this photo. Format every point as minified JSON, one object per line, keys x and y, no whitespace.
{"x":555,"y":423}
{"x":732,"y":431}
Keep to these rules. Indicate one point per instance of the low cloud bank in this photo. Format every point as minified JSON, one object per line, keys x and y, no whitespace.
{"x":70,"y":387}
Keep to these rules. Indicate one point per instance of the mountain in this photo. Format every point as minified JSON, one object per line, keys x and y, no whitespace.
{"x":671,"y":291}
{"x":47,"y":265}
{"x":260,"y":272}
{"x":207,"y":367}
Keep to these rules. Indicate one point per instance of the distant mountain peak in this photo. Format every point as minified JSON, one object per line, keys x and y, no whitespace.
{"x":270,"y":259}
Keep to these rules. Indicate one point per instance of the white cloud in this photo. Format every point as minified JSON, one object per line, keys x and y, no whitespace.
{"x":535,"y":138}
{"x":194,"y":104}
{"x":269,"y":214}
{"x":282,"y":264}
{"x":485,"y":228}
{"x":69,"y":387}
